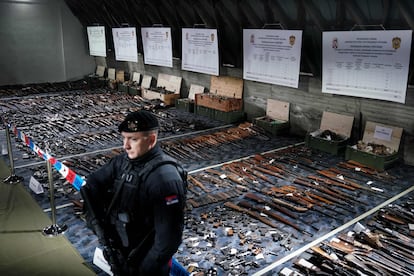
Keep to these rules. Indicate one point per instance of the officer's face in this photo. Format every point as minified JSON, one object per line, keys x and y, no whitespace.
{"x":137,"y":144}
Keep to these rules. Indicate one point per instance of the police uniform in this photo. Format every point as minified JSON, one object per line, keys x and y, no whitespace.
{"x":145,"y":221}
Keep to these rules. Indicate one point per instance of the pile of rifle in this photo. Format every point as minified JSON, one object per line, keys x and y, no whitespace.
{"x":203,"y":147}
{"x":39,"y":88}
{"x":75,"y":122}
{"x":385,"y":248}
{"x":286,"y":191}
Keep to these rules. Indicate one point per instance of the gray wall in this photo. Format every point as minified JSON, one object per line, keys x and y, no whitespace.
{"x":41,"y":41}
{"x":307,"y":102}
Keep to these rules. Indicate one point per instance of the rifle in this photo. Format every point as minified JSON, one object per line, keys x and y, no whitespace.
{"x":247,"y":205}
{"x":110,"y":253}
{"x":250,"y":213}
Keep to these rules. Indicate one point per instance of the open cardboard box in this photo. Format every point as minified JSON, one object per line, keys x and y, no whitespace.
{"x":276,"y":120}
{"x":380,"y":134}
{"x":170,"y":83}
{"x":339,"y":124}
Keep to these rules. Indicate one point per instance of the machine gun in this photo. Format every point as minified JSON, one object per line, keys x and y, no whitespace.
{"x":110,"y":253}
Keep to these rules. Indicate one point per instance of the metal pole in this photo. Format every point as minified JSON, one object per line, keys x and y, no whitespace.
{"x":12,"y":179}
{"x":54,"y":229}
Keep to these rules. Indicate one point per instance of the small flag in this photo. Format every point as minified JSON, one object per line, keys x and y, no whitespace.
{"x":172,"y":199}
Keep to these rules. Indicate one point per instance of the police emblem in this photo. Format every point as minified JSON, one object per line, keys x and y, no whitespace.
{"x":133,"y":125}
{"x":396,"y":42}
{"x":292,"y":40}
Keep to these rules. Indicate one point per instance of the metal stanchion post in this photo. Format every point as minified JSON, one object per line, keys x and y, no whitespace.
{"x":54,"y":229}
{"x":12,"y":179}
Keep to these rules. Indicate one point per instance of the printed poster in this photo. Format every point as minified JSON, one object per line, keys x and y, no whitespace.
{"x":200,"y":51}
{"x":369,"y":64}
{"x":272,"y":56}
{"x":157,"y":46}
{"x":125,"y":43}
{"x":96,"y":38}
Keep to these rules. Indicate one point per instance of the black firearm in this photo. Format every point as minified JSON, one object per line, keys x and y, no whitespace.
{"x":110,"y":253}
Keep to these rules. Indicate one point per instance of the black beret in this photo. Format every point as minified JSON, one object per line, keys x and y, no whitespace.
{"x":139,"y":121}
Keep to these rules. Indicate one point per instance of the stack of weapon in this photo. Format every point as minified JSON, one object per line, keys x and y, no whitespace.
{"x":271,"y":190}
{"x":201,"y":147}
{"x":38,"y":88}
{"x":385,"y":248}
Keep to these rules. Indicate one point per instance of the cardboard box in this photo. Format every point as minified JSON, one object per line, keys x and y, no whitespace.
{"x":340,"y":125}
{"x":226,"y":94}
{"x":276,"y":120}
{"x":379,"y":134}
{"x":169,"y":83}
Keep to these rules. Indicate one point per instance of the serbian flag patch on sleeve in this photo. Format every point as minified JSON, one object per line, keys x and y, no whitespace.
{"x":172,"y":199}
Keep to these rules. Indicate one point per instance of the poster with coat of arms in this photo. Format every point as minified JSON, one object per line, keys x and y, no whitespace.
{"x":369,"y":64}
{"x":272,"y":56}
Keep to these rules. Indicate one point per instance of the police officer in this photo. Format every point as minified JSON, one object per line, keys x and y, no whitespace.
{"x":138,"y":198}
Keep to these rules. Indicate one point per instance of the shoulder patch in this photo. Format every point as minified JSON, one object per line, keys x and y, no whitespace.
{"x":172,"y":199}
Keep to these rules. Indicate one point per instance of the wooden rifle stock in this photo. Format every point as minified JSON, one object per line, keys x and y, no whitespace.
{"x":270,"y":204}
{"x":250,"y":213}
{"x":271,"y":214}
{"x":198,"y":183}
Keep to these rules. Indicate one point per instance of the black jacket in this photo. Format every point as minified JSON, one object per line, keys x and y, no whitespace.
{"x":146,"y":221}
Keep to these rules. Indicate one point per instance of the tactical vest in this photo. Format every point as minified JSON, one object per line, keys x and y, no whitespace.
{"x":128,"y":190}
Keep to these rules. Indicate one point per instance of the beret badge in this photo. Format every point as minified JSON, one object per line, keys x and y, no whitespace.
{"x":133,"y":126}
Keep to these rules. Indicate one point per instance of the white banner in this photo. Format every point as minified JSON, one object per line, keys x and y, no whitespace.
{"x":157,"y":46}
{"x":96,"y":38}
{"x":272,"y":56}
{"x":125,"y":43}
{"x":200,"y":51}
{"x":369,"y":64}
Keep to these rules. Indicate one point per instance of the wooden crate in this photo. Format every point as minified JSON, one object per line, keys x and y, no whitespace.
{"x":337,"y":123}
{"x":167,"y":99}
{"x":169,"y":83}
{"x":226,"y":94}
{"x":381,"y":134}
{"x":276,"y":120}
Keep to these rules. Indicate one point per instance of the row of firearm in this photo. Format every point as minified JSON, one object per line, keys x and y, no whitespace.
{"x":80,"y":121}
{"x":288,"y":192}
{"x":384,"y":246}
{"x":40,"y":88}
{"x":206,"y":146}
